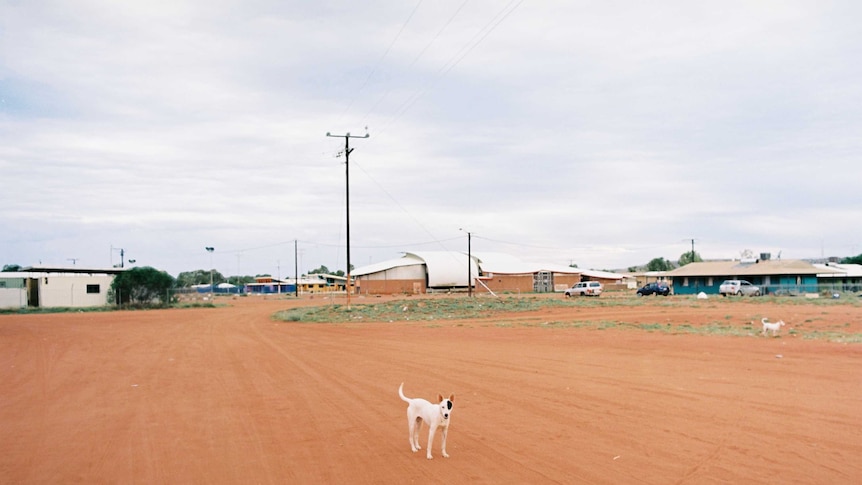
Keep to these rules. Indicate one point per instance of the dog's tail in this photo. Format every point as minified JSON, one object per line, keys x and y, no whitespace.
{"x":763,"y":320}
{"x":401,"y":393}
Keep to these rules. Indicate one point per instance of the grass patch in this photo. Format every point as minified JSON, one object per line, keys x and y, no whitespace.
{"x":435,"y":312}
{"x":427,"y":309}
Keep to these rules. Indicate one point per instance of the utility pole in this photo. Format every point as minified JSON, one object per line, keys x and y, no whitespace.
{"x":295,"y":270}
{"x":469,"y":264}
{"x":210,"y":250}
{"x":347,"y":151}
{"x":237,"y":271}
{"x":122,"y":255}
{"x":692,"y":250}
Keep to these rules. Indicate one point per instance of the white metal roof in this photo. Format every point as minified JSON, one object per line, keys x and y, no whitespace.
{"x":605,"y":275}
{"x":503,"y":263}
{"x":449,"y":268}
{"x":406,"y":260}
{"x":837,"y":270}
{"x":446,"y":268}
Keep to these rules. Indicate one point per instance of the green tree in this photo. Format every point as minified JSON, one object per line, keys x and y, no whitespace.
{"x":324,"y":270}
{"x":198,"y":277}
{"x":689,"y":257}
{"x":11,"y":267}
{"x":659,"y":264}
{"x":143,"y":285}
{"x":243,"y":280}
{"x":848,"y":260}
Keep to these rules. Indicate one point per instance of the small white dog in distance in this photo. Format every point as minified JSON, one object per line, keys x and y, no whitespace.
{"x":434,"y":415}
{"x":774,"y":326}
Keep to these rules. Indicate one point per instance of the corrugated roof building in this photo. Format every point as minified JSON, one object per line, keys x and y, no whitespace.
{"x":504,"y":273}
{"x":424,"y":271}
{"x":770,"y":275}
{"x":415,"y":273}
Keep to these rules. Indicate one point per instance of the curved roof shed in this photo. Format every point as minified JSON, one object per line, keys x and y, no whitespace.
{"x":446,"y":269}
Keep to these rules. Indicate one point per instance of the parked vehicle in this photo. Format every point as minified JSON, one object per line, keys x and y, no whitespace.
{"x":657,"y":288}
{"x":739,"y":288}
{"x":585,"y":288}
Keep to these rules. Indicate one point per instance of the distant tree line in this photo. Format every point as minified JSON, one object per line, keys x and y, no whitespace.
{"x":662,"y":264}
{"x":324,"y":270}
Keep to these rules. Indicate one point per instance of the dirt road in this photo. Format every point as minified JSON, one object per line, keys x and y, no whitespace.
{"x":228,"y":395}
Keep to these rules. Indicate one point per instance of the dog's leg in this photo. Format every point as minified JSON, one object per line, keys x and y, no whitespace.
{"x":416,"y":434}
{"x":445,"y":432}
{"x":432,"y":428}
{"x":412,"y":424}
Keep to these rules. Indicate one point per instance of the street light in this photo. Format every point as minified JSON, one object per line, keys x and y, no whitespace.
{"x":210,"y":250}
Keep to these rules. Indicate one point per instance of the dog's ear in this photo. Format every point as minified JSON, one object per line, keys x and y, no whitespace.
{"x":452,"y":397}
{"x":439,"y":398}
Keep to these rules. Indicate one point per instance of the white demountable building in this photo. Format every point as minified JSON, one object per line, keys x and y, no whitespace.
{"x":53,"y":287}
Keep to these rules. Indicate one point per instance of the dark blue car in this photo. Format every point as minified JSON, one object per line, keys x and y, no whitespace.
{"x":658,"y":288}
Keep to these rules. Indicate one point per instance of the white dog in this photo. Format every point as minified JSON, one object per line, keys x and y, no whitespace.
{"x":774,"y":326}
{"x":435,"y":415}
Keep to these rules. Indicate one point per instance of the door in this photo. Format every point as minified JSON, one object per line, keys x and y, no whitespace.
{"x":33,"y":292}
{"x":543,"y":282}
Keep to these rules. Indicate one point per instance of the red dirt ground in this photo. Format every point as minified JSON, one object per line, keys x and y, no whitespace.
{"x":228,"y":395}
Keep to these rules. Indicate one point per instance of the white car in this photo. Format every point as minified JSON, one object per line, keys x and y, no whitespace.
{"x":739,"y":288}
{"x":585,"y":288}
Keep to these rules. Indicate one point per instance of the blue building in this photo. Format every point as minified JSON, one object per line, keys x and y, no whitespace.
{"x":793,"y":276}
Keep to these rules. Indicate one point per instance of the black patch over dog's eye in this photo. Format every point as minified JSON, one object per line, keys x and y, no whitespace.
{"x":449,"y":404}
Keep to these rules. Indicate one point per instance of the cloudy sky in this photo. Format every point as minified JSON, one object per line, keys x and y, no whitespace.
{"x":603,"y":134}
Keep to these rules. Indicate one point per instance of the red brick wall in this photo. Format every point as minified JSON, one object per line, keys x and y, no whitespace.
{"x":522,"y":283}
{"x":390,"y":287}
{"x":507,"y":283}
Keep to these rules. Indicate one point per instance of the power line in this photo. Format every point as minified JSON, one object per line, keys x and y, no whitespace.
{"x":398,"y":204}
{"x":418,"y":56}
{"x":379,"y":62}
{"x":457,"y":58}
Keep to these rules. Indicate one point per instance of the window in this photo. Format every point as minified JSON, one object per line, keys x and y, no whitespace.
{"x":93,"y":289}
